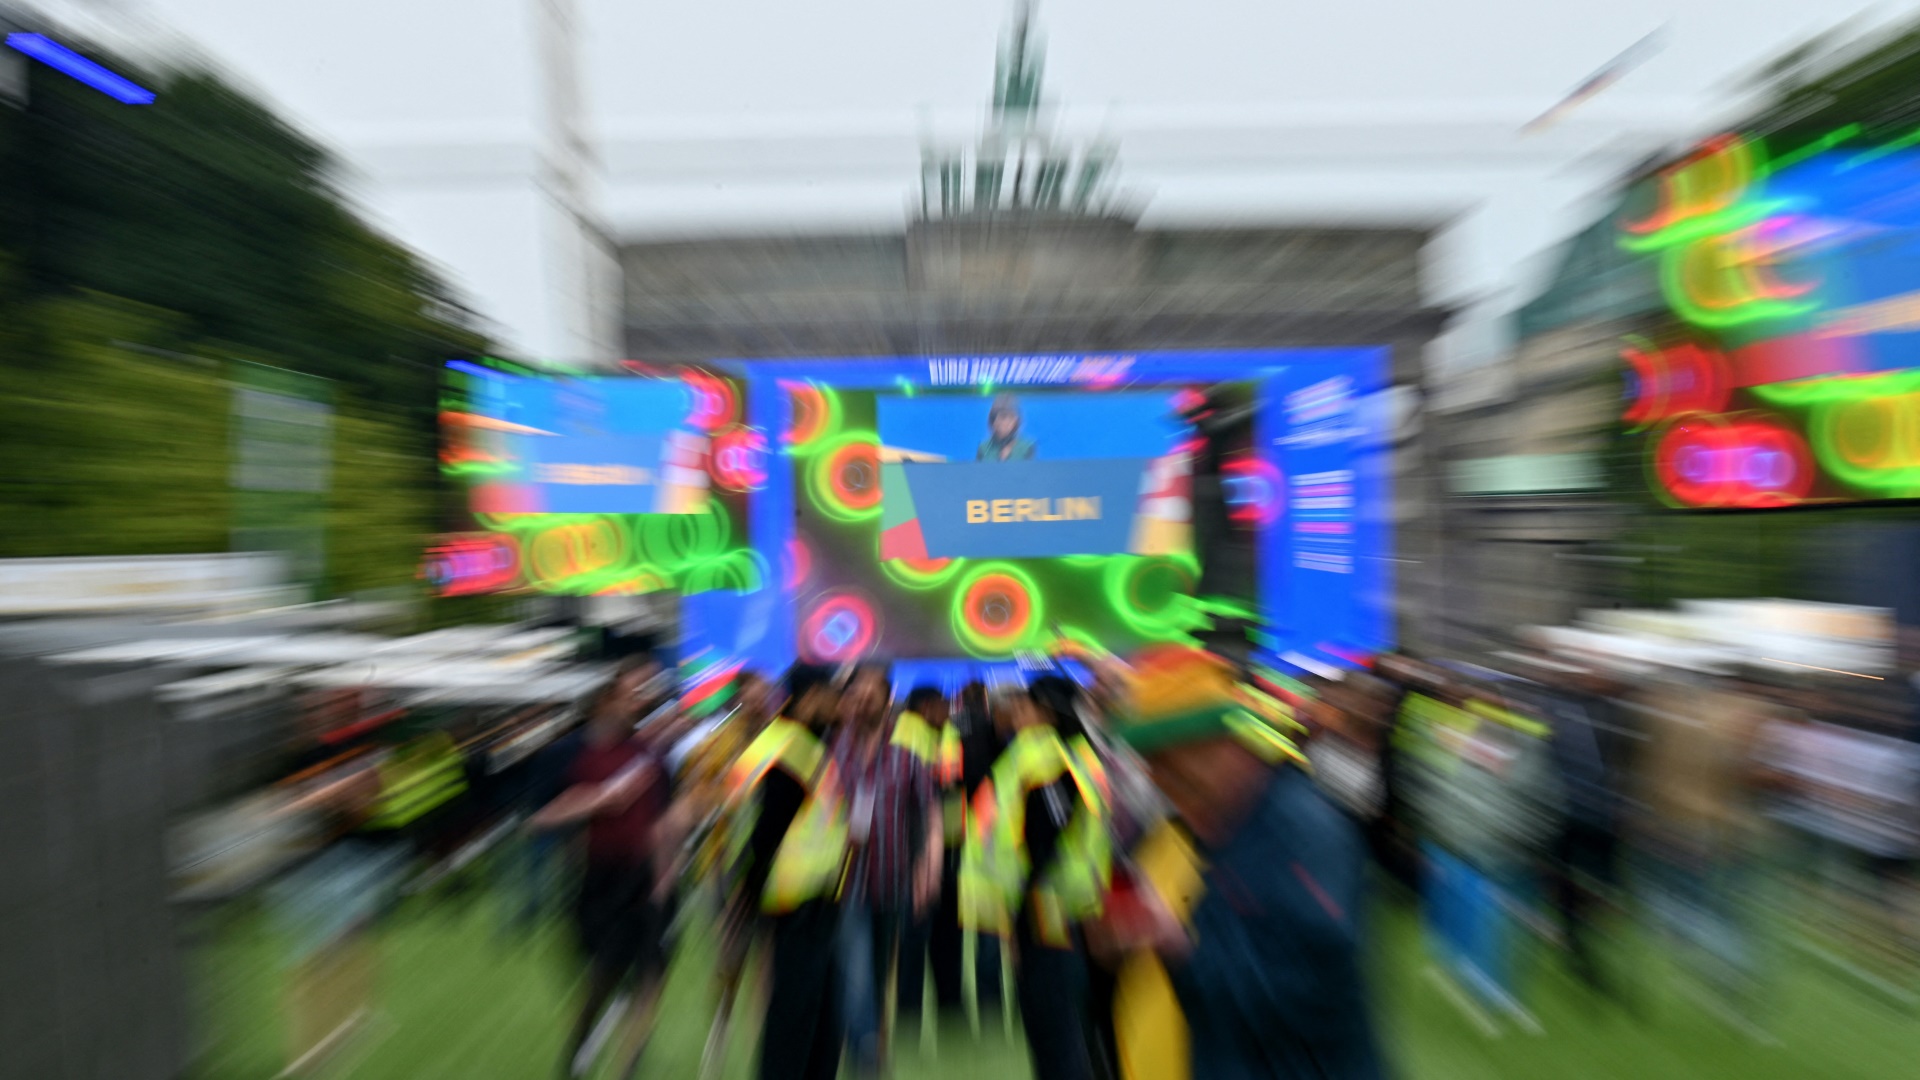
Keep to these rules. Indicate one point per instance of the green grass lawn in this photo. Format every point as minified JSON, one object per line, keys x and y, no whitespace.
{"x":1810,"y":1022}
{"x":464,"y":999}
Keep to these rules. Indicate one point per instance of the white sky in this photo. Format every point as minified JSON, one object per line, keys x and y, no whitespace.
{"x":731,"y":115}
{"x":730,"y":57}
{"x":361,"y":70}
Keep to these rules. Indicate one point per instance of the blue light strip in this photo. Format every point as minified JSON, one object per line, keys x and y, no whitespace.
{"x":476,"y":369}
{"x":64,"y":60}
{"x":1146,"y":368}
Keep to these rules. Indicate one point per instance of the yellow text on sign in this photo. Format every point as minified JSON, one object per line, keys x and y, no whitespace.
{"x":1005,"y":511}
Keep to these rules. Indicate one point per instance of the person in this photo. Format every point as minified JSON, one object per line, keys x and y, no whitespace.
{"x":1266,"y":966}
{"x":423,"y":793}
{"x":1482,"y":788}
{"x":1700,"y":780}
{"x":983,"y":737}
{"x":705,"y":802}
{"x":1397,"y":844}
{"x":926,"y":729}
{"x":711,"y":803}
{"x":1589,"y":753}
{"x":521,"y":789}
{"x":1134,"y":815}
{"x":795,"y":858}
{"x":923,"y":731}
{"x":1032,"y":847}
{"x":1346,"y":749}
{"x":1141,"y":1031}
{"x":617,"y":790}
{"x":895,"y":844}
{"x":1842,"y":805}
{"x":1003,"y":441}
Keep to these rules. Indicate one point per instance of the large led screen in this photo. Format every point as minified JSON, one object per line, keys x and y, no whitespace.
{"x":940,"y":512}
{"x":589,"y":446}
{"x":983,"y":523}
{"x":592,"y":486}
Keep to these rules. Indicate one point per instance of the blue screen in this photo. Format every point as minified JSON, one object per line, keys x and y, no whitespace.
{"x":1059,"y":427}
{"x":591,"y":446}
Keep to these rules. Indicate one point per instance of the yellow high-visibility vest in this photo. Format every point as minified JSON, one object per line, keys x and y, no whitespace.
{"x":416,"y":779}
{"x":943,"y":756}
{"x":1148,"y":1023}
{"x":952,"y":772}
{"x":813,"y":851}
{"x":913,"y":734}
{"x":994,"y":863}
{"x":952,"y":756}
{"x":1079,"y":878}
{"x":939,"y":751}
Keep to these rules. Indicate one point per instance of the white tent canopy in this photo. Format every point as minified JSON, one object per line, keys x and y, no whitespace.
{"x":1718,"y":635}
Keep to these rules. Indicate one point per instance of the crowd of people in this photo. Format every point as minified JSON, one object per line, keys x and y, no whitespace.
{"x":1165,"y":862}
{"x":1734,"y":813}
{"x":1147,"y":856}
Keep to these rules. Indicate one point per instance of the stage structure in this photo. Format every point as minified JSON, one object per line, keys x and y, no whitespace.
{"x":952,"y":514}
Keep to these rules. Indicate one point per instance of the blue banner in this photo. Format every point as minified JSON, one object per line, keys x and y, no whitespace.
{"x":1325,"y":597}
{"x":1029,"y":509}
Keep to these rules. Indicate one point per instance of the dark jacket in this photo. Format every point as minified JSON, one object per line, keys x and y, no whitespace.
{"x":1273,"y":987}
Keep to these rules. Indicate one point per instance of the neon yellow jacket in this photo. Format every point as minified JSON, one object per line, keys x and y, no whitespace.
{"x":416,"y":779}
{"x":994,"y":864}
{"x":813,"y":851}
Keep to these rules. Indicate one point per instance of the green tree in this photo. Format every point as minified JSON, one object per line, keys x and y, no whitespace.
{"x":141,"y":251}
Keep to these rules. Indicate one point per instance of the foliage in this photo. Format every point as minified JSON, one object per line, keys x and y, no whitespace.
{"x":142,"y":250}
{"x":379,"y":507}
{"x":1832,"y":81}
{"x":109,"y":450}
